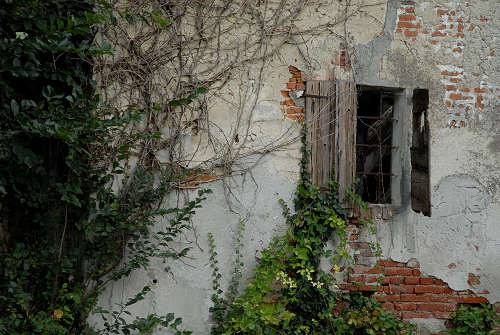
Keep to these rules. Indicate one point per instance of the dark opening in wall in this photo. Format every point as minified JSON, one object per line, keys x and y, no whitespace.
{"x":374,"y":147}
{"x":420,"y":178}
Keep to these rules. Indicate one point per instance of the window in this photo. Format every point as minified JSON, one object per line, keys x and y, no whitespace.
{"x":360,"y":133}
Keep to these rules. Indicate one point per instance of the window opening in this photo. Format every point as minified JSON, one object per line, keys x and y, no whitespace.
{"x":374,"y":147}
{"x":420,"y":178}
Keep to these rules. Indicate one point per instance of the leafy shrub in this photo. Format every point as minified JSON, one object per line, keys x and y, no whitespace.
{"x":477,"y":320}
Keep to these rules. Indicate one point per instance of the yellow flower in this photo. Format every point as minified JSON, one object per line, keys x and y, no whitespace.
{"x":57,"y":314}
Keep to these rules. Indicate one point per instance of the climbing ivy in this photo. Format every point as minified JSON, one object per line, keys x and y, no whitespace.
{"x":289,"y":293}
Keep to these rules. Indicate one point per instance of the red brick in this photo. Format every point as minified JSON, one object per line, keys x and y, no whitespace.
{"x":412,"y":280}
{"x":388,"y":298}
{"x":416,"y":315}
{"x":407,"y":24}
{"x":447,"y":103}
{"x":367,"y":269}
{"x":473,"y":300}
{"x":442,"y":315}
{"x":443,"y":298}
{"x":466,"y":90}
{"x":442,"y":11}
{"x":447,"y":73}
{"x":401,"y":288}
{"x":410,"y":9}
{"x":479,"y":90}
{"x":291,"y":86}
{"x":300,"y":87}
{"x":438,"y":34}
{"x":397,"y":272}
{"x":459,"y":50}
{"x":451,"y":88}
{"x":415,"y":298}
{"x":350,"y":287}
{"x":405,"y":307}
{"x":389,"y":262}
{"x":428,"y":289}
{"x":427,"y":281}
{"x":459,"y":35}
{"x":455,"y":80}
{"x":367,"y":288}
{"x":411,"y":33}
{"x":396,"y":280}
{"x":431,"y":307}
{"x":407,"y":17}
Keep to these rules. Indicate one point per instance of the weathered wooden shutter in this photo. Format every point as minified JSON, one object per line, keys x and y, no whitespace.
{"x":331,"y":108}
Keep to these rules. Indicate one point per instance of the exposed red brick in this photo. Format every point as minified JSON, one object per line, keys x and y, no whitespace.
{"x":411,"y":33}
{"x":447,"y":103}
{"x":443,"y":298}
{"x":472,"y":300}
{"x":407,"y":24}
{"x":447,"y":73}
{"x":479,"y":90}
{"x":396,"y":280}
{"x":367,"y":269}
{"x":442,"y":315}
{"x":367,"y":288}
{"x":397,"y":272}
{"x":412,"y":280}
{"x":415,"y":298}
{"x":407,"y":17}
{"x":291,"y":86}
{"x":438,"y":34}
{"x":457,"y":50}
{"x":455,"y":80}
{"x":442,"y":11}
{"x":428,"y":289}
{"x":427,"y":281}
{"x":389,"y":262}
{"x":410,"y":9}
{"x":402,"y":288}
{"x":451,"y":88}
{"x":406,"y":307}
{"x":465,"y":90}
{"x":436,"y":307}
{"x":388,"y":298}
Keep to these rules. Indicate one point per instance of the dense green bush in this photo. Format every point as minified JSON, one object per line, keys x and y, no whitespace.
{"x":477,"y":320}
{"x":63,"y":229}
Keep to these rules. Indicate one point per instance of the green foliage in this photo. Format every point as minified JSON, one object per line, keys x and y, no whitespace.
{"x":289,"y":293}
{"x":63,"y":227}
{"x":477,"y":320}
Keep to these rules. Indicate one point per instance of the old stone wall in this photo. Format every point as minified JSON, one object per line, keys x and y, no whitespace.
{"x":429,"y":263}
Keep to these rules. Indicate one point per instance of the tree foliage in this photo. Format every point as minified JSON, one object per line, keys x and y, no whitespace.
{"x":64,"y":226}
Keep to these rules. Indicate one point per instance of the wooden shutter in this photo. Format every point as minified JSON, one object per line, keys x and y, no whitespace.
{"x":331,"y":109}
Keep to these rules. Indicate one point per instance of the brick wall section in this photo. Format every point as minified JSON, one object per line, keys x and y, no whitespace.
{"x":294,"y":84}
{"x":464,"y":92}
{"x":405,"y":291}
